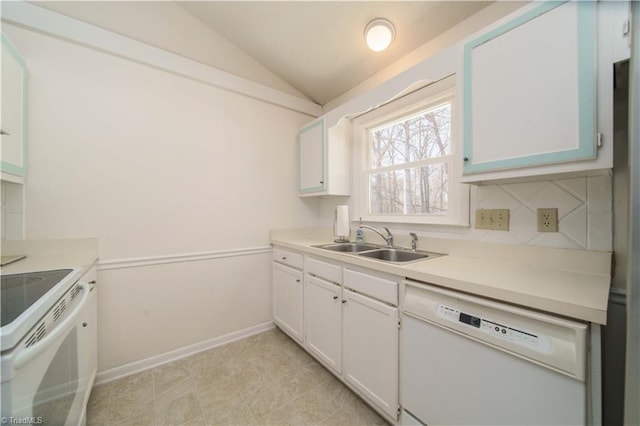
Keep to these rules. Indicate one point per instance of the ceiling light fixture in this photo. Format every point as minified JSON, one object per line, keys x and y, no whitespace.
{"x":379,"y":34}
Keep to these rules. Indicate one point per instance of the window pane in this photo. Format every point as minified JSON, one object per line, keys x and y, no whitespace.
{"x":426,"y":190}
{"x":425,"y":135}
{"x":386,"y":190}
{"x":414,"y":191}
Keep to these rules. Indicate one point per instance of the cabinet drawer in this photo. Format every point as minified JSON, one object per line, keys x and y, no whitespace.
{"x":288,"y":258}
{"x":379,"y":288}
{"x":328,"y":271}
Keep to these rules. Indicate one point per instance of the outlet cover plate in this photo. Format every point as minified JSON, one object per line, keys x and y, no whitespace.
{"x":492,"y":219}
{"x":547,"y":220}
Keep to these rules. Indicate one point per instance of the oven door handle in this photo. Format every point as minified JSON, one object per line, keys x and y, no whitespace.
{"x":32,"y":352}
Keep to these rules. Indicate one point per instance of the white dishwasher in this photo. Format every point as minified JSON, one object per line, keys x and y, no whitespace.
{"x":473,"y":361}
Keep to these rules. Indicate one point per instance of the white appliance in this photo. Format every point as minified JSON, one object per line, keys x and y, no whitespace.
{"x":472,"y":361}
{"x":48,"y":337}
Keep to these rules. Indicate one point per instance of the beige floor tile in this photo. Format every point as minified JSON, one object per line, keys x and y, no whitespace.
{"x":264,"y":399}
{"x":140,"y":383}
{"x":249,"y":379}
{"x":225,"y":405}
{"x":135,"y":401}
{"x":166,"y":376}
{"x":286,"y":415}
{"x":211,"y":377}
{"x":339,"y":392}
{"x":144,"y":418}
{"x":265,"y":379}
{"x":179,"y":409}
{"x":97,"y":410}
{"x":315,"y":406}
{"x":203,"y":359}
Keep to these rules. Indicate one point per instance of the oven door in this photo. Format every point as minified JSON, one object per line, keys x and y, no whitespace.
{"x":43,"y":383}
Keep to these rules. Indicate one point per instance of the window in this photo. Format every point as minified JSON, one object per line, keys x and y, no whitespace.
{"x":407,"y":152}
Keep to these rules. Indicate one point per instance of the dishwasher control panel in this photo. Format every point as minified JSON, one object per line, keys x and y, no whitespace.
{"x":514,"y":335}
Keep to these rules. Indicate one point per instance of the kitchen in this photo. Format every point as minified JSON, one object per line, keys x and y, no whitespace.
{"x":166,"y":161}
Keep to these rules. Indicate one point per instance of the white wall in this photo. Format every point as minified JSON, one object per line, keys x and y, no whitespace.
{"x":157,"y":165}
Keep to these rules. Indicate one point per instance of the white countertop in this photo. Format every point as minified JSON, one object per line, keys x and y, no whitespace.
{"x":571,"y":283}
{"x":46,"y":255}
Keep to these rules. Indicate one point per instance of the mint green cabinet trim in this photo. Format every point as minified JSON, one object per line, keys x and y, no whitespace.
{"x":321,"y":187}
{"x":20,"y":170}
{"x":586,"y":87}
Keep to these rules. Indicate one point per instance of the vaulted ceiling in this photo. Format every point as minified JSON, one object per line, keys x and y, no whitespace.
{"x":318,"y":47}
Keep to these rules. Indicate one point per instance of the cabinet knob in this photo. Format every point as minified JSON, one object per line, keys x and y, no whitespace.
{"x":335,"y":297}
{"x":466,"y":158}
{"x":284,"y":258}
{"x":297,"y":281}
{"x":93,"y":282}
{"x":321,"y":182}
{"x":84,"y":324}
{"x":344,"y":301}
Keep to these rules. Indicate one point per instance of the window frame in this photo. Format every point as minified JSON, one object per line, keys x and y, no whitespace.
{"x":397,"y":109}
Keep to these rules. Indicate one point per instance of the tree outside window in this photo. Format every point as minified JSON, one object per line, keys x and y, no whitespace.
{"x":409,"y":164}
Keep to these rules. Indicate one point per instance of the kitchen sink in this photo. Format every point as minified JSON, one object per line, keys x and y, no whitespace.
{"x":348,"y":247}
{"x":385,"y":254}
{"x":397,"y":255}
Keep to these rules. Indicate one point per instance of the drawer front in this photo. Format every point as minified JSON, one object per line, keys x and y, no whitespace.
{"x":376,"y":287}
{"x":286,"y":257}
{"x":327,"y":271}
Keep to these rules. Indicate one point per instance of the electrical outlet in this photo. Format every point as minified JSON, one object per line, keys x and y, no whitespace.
{"x":547,"y":220}
{"x":493,"y":219}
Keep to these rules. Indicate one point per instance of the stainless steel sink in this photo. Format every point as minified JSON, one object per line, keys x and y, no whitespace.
{"x":397,"y":255}
{"x":348,"y":247}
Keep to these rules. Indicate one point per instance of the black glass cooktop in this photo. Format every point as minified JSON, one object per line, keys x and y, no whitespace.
{"x":19,"y":291}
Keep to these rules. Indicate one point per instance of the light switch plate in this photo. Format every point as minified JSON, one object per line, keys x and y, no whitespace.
{"x":493,"y":219}
{"x":547,"y":220}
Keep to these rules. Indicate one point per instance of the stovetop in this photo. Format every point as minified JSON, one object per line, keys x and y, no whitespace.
{"x":20,"y":291}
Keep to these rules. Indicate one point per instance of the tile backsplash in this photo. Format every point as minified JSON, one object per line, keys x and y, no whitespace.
{"x":584,"y":212}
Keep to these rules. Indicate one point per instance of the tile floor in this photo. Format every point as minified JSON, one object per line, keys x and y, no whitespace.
{"x":265,"y":379}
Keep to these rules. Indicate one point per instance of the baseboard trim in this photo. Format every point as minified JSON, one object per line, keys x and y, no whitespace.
{"x":135,"y":262}
{"x":154,"y":361}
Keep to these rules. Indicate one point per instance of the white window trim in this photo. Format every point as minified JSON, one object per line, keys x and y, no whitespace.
{"x":458,"y":210}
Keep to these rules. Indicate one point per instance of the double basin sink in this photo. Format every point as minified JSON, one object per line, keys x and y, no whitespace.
{"x":386,"y":254}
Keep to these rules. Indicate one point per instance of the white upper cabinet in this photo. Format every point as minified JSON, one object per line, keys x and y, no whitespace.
{"x":537,"y":93}
{"x":323,"y":159}
{"x":13,"y":95}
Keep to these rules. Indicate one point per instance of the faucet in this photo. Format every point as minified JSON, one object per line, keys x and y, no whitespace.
{"x":388,"y":238}
{"x":414,"y":241}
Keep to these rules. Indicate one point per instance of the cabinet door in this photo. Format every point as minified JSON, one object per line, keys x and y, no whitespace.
{"x":287,"y":299}
{"x":13,"y":91}
{"x":311,"y":158}
{"x":323,"y":320}
{"x":530,"y":90}
{"x":370,"y":349}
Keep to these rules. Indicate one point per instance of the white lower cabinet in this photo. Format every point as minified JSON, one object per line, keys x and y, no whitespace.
{"x":346,"y":318}
{"x":323,"y":321}
{"x":287,"y":299}
{"x":370,"y":349}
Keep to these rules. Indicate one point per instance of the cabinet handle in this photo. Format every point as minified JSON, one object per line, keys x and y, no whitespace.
{"x":4,"y":133}
{"x":93,"y":282}
{"x":335,"y":297}
{"x":322,"y":182}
